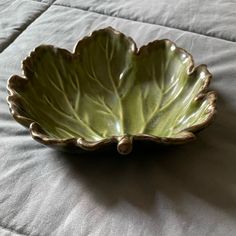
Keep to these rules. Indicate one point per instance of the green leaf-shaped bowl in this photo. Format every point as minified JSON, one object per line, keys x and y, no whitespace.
{"x":108,"y":91}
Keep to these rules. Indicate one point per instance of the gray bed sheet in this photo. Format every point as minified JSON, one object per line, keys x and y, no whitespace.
{"x":187,"y":190}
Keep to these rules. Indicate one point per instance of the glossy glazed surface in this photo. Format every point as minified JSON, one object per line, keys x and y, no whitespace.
{"x":108,"y":91}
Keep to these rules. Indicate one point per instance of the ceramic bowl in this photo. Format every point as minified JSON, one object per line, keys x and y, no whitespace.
{"x":108,"y":91}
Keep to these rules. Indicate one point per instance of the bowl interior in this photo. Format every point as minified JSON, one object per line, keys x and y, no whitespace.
{"x":109,"y":88}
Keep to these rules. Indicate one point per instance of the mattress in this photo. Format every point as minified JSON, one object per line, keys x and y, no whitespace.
{"x":186,"y":190}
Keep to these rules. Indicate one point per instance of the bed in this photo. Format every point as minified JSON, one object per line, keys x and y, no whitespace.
{"x":186,"y":190}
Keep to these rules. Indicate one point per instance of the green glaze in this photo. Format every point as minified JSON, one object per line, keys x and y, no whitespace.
{"x":109,"y":88}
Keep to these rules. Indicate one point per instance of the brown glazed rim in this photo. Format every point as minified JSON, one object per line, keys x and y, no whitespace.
{"x":125,"y":142}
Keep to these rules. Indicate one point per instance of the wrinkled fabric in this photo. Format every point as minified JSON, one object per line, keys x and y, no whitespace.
{"x":213,"y":18}
{"x":23,"y":12}
{"x":175,"y":191}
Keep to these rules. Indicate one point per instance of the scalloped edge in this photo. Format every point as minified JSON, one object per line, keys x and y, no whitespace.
{"x":125,"y":142}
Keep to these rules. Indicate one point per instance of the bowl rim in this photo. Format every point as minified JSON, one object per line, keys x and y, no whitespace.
{"x":124,"y":142}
